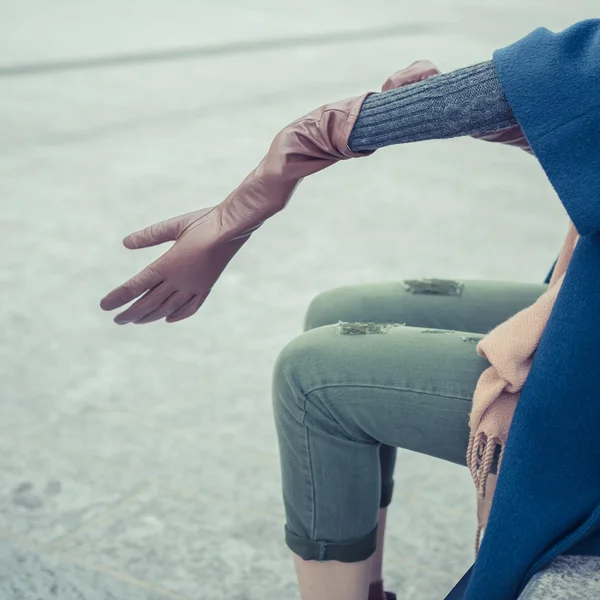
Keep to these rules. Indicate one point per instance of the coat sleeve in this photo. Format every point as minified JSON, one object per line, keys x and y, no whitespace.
{"x":552,"y":83}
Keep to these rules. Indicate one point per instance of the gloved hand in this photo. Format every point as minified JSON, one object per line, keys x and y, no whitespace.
{"x":423,"y":69}
{"x":176,"y":285}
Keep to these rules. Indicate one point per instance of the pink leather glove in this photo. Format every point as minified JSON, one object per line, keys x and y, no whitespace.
{"x":175,"y":286}
{"x":423,"y":69}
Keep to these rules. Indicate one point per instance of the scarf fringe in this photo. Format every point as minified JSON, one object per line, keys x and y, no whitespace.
{"x":480,"y":460}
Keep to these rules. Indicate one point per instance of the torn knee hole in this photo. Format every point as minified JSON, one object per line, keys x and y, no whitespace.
{"x":437,"y":331}
{"x":368,"y":328}
{"x":440,"y":287}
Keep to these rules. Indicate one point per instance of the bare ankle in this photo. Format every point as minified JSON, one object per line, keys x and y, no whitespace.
{"x":333,"y":580}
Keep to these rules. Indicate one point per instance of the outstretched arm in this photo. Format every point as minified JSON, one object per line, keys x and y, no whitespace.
{"x":174,"y":287}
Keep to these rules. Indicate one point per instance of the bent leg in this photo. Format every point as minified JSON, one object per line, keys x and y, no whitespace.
{"x":337,"y":398}
{"x":473,"y":306}
{"x":317,"y":382}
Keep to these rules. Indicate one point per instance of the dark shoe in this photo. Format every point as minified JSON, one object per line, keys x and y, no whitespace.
{"x":376,"y":592}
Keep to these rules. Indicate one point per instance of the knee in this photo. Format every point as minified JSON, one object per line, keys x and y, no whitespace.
{"x":291,"y":368}
{"x":297,"y":370}
{"x":327,"y":308}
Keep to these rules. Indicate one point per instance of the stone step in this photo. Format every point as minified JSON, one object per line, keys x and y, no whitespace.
{"x":566,"y":578}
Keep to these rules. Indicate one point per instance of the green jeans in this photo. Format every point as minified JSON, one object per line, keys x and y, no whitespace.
{"x":379,"y":367}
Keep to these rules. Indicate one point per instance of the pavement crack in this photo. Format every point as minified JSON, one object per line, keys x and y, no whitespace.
{"x":226,"y":49}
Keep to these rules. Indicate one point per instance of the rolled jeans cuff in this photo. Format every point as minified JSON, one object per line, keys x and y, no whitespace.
{"x":387,"y":491}
{"x":347,"y":552}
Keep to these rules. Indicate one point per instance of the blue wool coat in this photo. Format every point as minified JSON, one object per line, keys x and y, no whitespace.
{"x":547,"y":499}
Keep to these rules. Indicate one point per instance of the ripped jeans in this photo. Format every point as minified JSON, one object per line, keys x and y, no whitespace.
{"x":378,"y":367}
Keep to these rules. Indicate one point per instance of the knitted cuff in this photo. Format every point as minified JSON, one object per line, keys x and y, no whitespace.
{"x":469,"y":101}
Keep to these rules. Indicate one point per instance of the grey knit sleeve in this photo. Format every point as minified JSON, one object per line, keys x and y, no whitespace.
{"x":469,"y":101}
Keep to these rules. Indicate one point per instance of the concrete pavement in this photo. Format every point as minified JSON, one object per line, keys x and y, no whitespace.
{"x":141,"y":462}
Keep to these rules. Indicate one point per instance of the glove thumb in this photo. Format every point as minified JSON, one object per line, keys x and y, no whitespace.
{"x":165,"y":231}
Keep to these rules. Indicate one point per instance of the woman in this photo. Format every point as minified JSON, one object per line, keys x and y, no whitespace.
{"x":347,"y":394}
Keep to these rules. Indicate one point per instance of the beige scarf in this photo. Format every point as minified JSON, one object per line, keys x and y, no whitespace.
{"x":510,"y":349}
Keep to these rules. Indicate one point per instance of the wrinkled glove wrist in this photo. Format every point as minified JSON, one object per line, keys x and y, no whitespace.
{"x":306,"y":146}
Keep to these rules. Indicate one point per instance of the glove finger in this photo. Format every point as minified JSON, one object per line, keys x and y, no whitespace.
{"x":418,"y":71}
{"x":149,"y":302}
{"x":188,"y":309}
{"x":169,"y":306}
{"x":165,"y":231}
{"x":147,"y":279}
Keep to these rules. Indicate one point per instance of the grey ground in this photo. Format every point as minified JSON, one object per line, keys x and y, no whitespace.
{"x":140,"y":462}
